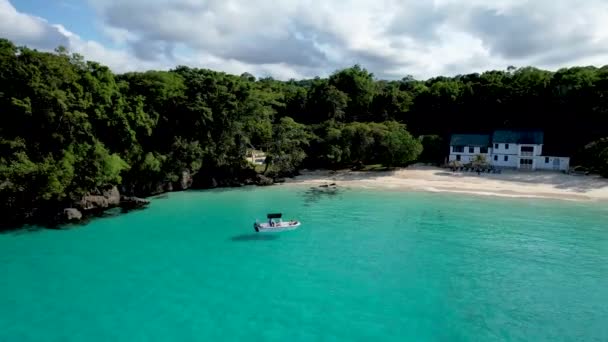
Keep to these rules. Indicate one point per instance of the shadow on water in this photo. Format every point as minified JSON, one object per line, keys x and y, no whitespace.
{"x":254,"y":237}
{"x":19,"y":230}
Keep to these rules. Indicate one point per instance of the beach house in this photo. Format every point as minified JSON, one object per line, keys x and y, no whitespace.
{"x":506,"y":149}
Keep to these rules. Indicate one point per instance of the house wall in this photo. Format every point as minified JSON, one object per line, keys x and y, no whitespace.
{"x":514,"y":155}
{"x":538,"y":149}
{"x":555,"y":163}
{"x":502,"y":149}
{"x":467,"y":156}
{"x":512,"y":162}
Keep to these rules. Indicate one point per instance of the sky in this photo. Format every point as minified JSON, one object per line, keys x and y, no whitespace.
{"x":298,"y":39}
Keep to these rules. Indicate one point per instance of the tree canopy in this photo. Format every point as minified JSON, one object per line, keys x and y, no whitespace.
{"x":71,"y":126}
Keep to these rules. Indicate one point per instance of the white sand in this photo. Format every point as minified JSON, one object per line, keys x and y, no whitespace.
{"x":537,"y":184}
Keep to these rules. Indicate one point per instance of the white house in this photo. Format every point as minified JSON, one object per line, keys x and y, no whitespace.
{"x":464,"y":147}
{"x":506,"y":149}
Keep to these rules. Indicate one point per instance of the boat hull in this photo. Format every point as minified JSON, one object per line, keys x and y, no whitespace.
{"x":279,"y":227}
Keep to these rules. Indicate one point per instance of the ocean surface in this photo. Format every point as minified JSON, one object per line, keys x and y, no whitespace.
{"x":364,"y":266}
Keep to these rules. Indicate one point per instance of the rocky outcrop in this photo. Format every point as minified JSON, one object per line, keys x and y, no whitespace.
{"x":72,"y":214}
{"x":108,"y":198}
{"x":263,"y":180}
{"x":185,"y":180}
{"x":130,"y":203}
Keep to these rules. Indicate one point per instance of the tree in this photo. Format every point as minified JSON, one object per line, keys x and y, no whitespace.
{"x":480,"y":161}
{"x":433,"y":149}
{"x":358,"y":84}
{"x":71,"y":126}
{"x":287,"y":150}
{"x":398,"y":147}
{"x":597,"y":156}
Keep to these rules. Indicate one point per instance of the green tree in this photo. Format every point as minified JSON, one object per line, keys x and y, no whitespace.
{"x":288,"y":148}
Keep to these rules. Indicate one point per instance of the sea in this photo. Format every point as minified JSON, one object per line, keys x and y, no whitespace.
{"x":365,"y":265}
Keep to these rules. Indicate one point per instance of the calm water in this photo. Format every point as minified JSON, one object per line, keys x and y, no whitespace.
{"x":365,"y":266}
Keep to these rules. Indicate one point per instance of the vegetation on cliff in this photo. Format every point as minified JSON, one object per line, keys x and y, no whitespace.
{"x":72,"y":128}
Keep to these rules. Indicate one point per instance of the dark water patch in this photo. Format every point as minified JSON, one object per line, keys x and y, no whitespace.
{"x":316,"y":194}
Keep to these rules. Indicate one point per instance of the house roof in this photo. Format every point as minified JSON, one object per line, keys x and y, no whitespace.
{"x":476,"y":140}
{"x":518,"y":137}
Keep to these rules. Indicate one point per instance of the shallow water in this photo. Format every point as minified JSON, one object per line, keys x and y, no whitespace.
{"x":365,"y":265}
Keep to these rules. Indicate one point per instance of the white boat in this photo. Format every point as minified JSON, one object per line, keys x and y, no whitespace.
{"x":275,"y":224}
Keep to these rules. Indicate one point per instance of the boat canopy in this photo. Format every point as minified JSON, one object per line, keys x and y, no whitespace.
{"x":275,"y":216}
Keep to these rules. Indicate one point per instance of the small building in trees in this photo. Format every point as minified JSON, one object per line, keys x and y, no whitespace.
{"x":506,"y":149}
{"x":256,"y":157}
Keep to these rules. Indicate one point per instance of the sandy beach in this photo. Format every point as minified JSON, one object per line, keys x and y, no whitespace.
{"x":538,"y":184}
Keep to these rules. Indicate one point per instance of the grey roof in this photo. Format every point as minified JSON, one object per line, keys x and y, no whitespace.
{"x":518,"y":137}
{"x":476,"y":140}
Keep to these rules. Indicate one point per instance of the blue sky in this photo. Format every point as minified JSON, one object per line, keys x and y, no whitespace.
{"x":305,"y":38}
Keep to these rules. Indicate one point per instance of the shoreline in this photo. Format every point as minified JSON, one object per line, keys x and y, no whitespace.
{"x":511,"y":184}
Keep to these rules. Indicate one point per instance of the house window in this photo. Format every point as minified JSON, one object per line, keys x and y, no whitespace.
{"x":458,"y":149}
{"x":495,"y":158}
{"x":483,"y":150}
{"x":496,"y":146}
{"x":471,"y":149}
{"x":506,"y":158}
{"x":458,"y":157}
{"x":525,"y":161}
{"x":546,"y":160}
{"x":507,"y":146}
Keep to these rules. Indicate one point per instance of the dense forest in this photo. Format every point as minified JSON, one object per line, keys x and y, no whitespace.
{"x":72,"y":128}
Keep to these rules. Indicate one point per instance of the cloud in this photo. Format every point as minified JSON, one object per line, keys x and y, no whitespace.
{"x":141,"y":54}
{"x":544,"y":32}
{"x":305,"y":38}
{"x":28,"y":30}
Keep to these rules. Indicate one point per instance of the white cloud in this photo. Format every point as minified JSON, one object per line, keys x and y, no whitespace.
{"x":304,"y":38}
{"x":27,"y":29}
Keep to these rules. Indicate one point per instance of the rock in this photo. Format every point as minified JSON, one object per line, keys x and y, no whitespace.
{"x":72,"y":214}
{"x":185,"y":181}
{"x":213,"y":183}
{"x":113,"y":196}
{"x":130,"y":203}
{"x":263,"y":180}
{"x":108,"y":199}
{"x":279,"y":180}
{"x":168,"y":187}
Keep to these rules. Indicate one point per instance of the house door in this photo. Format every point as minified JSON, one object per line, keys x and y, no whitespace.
{"x":556,"y":164}
{"x":525,"y":164}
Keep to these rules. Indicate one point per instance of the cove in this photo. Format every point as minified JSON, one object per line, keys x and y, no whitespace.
{"x":365,"y":265}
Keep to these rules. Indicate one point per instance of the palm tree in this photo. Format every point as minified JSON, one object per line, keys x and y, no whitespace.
{"x":479,"y":161}
{"x":454,"y":164}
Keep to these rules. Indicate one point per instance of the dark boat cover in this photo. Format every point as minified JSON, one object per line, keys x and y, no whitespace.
{"x":275,"y":216}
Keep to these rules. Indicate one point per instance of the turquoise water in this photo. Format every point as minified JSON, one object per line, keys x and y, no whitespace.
{"x":365,"y":266}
